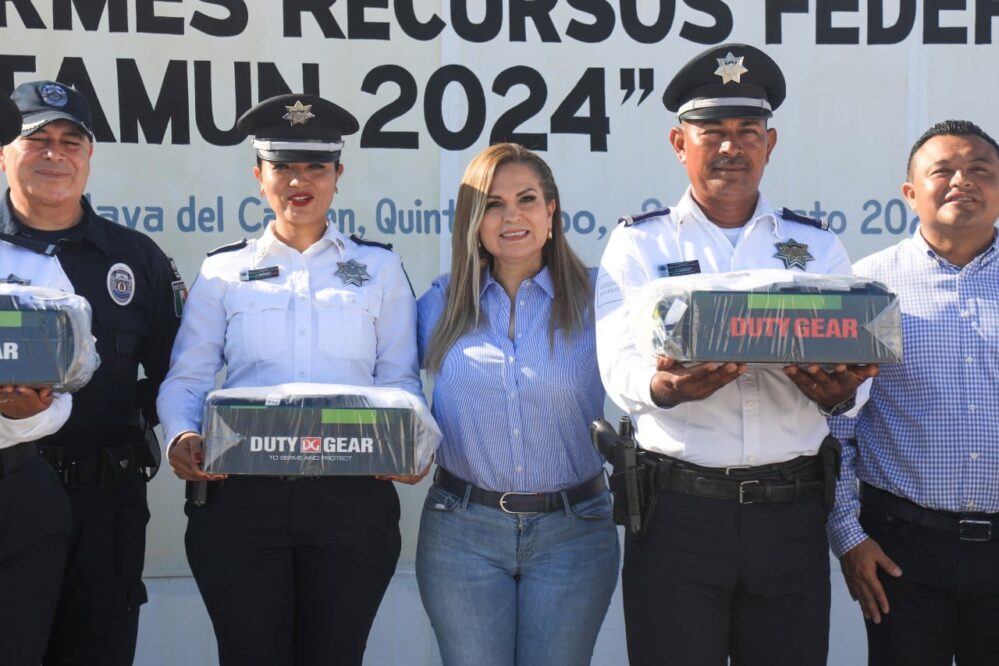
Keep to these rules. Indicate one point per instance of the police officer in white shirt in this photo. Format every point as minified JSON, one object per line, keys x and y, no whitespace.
{"x":292,"y":572}
{"x":34,"y":509}
{"x":713,"y":577}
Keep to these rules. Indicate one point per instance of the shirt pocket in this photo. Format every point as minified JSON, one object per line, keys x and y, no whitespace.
{"x":257,"y":328}
{"x":346,"y":323}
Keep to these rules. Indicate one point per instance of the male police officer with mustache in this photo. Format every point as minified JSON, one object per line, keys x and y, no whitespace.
{"x":715,"y":576}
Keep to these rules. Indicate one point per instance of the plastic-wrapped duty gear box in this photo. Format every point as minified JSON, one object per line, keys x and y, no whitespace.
{"x":768,"y":316}
{"x":45,"y":338}
{"x":317,"y":430}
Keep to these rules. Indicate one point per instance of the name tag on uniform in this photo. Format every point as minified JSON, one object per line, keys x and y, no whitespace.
{"x":252,"y":274}
{"x":679,"y":268}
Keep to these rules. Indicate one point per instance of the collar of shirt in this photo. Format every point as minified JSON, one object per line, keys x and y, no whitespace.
{"x":542,"y":278}
{"x":687,"y":209}
{"x":86,"y":230}
{"x":268,"y":241}
{"x":981,"y":260}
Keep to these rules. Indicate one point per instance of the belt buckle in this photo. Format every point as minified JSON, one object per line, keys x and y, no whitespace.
{"x":742,"y":490}
{"x":502,"y":504}
{"x":974,"y":530}
{"x":728,"y":470}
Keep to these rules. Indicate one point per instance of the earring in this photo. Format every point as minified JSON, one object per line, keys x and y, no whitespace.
{"x":549,"y":233}
{"x":336,"y":189}
{"x":261,"y":191}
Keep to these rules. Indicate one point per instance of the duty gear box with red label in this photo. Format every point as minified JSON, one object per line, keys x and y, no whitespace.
{"x":317,"y":430}
{"x":774,"y":317}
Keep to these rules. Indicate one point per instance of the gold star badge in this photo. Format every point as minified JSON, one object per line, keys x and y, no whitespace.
{"x":793,"y":253}
{"x":730,"y":68}
{"x":299,"y":114}
{"x":352,"y":272}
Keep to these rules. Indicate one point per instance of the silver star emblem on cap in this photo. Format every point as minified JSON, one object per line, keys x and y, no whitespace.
{"x":352,"y":272}
{"x":793,"y":253}
{"x":730,"y":68}
{"x":299,"y":113}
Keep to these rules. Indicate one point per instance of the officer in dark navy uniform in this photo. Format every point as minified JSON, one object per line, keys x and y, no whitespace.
{"x":105,"y":452}
{"x":34,"y":511}
{"x":734,"y":562}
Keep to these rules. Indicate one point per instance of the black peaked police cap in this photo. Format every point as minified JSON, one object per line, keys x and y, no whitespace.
{"x":42,"y":102}
{"x":726,"y":81}
{"x":10,"y":120}
{"x":297,"y":128}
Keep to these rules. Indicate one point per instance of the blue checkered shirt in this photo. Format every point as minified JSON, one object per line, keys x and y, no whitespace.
{"x":930,"y":431}
{"x":514,"y":413}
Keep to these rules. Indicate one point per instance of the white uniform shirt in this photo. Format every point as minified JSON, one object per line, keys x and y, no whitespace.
{"x":40,"y":271}
{"x":759,"y":418}
{"x":305,"y":324}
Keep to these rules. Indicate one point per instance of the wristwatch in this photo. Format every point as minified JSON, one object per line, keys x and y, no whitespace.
{"x":840,"y":408}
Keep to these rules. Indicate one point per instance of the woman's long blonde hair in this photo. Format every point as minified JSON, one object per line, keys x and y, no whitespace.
{"x":570,"y":279}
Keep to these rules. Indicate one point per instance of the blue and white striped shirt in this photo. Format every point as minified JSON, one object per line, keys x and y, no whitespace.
{"x":930,"y":431}
{"x":515,"y":415}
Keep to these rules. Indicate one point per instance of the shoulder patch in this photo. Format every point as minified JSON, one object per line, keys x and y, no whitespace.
{"x":370,"y":243}
{"x":238,"y":245}
{"x":632,"y":220}
{"x":791,"y":216}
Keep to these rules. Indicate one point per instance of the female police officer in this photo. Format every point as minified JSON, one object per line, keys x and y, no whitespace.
{"x":292,"y":572}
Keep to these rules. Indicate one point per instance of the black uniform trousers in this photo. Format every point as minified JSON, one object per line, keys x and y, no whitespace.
{"x":713,"y":579}
{"x":946,"y":603}
{"x":97,"y":619}
{"x":292,"y":572}
{"x":34,"y":534}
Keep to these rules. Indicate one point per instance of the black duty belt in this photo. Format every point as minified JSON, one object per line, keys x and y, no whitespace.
{"x":517,"y":503}
{"x":13,"y":458}
{"x":73,"y":466}
{"x":965,"y":526}
{"x":791,"y":481}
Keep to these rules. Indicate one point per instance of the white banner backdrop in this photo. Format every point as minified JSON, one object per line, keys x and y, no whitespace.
{"x":434,"y":81}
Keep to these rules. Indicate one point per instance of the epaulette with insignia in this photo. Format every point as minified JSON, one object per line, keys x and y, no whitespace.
{"x":632,"y":220}
{"x":238,"y":245}
{"x":789,"y":214}
{"x":370,"y":243}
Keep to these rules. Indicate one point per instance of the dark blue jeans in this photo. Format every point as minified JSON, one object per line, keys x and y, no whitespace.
{"x":946,"y":603}
{"x":530,"y":590}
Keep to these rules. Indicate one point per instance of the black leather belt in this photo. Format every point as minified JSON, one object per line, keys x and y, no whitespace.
{"x":517,"y":503}
{"x":965,"y":526}
{"x":13,"y":458}
{"x":791,"y":481}
{"x":73,"y":466}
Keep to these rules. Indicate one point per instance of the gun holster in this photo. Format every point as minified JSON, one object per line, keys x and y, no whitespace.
{"x":117,"y":464}
{"x":831,"y":457}
{"x":633,"y":479}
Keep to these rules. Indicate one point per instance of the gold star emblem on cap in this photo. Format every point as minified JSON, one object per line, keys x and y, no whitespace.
{"x":299,"y":113}
{"x":730,"y":68}
{"x":793,"y":253}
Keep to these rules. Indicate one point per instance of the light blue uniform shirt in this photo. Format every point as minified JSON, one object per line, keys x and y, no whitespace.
{"x":515,"y":414}
{"x":930,"y":431}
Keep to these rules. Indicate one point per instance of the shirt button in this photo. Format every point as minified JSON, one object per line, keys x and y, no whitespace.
{"x":510,"y":359}
{"x":513,"y":394}
{"x":971,"y":504}
{"x":516,"y":432}
{"x":971,"y":408}
{"x":969,"y":360}
{"x":520,"y":470}
{"x":965,"y":313}
{"x":974,"y":456}
{"x":523,"y":303}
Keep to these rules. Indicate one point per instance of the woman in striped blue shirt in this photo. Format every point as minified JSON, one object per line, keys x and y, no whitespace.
{"x":517,"y":555}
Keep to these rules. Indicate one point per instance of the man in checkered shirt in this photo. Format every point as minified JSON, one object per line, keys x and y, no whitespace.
{"x":919,"y":543}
